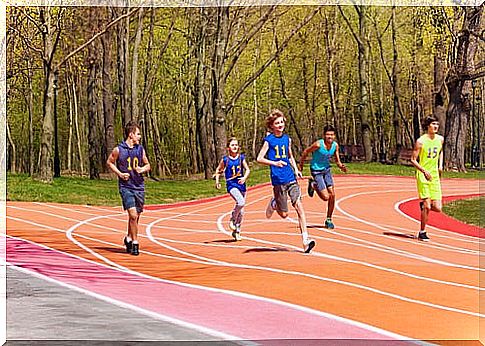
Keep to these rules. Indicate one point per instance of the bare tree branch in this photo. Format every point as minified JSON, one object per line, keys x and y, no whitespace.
{"x":81,"y":47}
{"x":268,"y":62}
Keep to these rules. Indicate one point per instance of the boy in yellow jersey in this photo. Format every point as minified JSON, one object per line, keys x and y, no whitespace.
{"x":428,"y":159}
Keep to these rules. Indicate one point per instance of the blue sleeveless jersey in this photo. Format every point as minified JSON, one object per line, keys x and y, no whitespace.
{"x":321,"y":157}
{"x":278,"y":151}
{"x":128,"y":159}
{"x":233,"y":171}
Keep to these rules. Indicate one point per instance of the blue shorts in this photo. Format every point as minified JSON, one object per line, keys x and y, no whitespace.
{"x":132,"y":199}
{"x":323,"y":178}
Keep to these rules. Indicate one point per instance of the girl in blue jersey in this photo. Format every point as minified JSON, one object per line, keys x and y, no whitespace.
{"x":129,"y":161}
{"x":322,"y":151}
{"x":236,"y":171}
{"x":276,"y":153}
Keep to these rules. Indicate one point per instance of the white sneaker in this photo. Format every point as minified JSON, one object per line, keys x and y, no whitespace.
{"x":309,"y":245}
{"x":270,"y":208}
{"x":232,"y":225}
{"x":236,"y":234}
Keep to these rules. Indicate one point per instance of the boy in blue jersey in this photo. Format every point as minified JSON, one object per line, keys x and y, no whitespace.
{"x":322,"y":151}
{"x":129,"y":161}
{"x":276,"y":153}
{"x":236,"y":172}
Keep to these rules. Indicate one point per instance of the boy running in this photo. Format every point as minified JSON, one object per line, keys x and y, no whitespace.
{"x":322,"y":151}
{"x":129,"y":161}
{"x":428,"y":159}
{"x":236,"y":172}
{"x":276,"y":153}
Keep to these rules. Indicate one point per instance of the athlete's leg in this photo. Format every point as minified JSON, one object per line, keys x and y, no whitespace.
{"x":133,"y":218}
{"x":237,"y":212}
{"x":331,"y":201}
{"x":425,"y":208}
{"x":320,"y":185}
{"x":436,"y":206}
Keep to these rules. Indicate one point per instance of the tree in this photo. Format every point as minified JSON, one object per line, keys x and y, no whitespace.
{"x":458,"y":82}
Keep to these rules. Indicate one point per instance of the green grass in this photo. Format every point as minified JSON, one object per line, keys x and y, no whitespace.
{"x":469,"y":211}
{"x":79,"y":190}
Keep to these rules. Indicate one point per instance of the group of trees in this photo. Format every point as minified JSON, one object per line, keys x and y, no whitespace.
{"x":194,"y":76}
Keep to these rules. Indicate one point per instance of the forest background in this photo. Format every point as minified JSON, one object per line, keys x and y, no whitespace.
{"x":192,"y":77}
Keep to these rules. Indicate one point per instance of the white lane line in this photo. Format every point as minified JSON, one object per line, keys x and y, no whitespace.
{"x":396,"y":208}
{"x":385,"y":333}
{"x":337,"y":206}
{"x":158,"y":316}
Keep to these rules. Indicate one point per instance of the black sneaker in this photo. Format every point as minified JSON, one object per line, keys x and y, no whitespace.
{"x":423,"y":236}
{"x":135,"y":251}
{"x":309,"y":246}
{"x":310,"y":189}
{"x":128,"y":245}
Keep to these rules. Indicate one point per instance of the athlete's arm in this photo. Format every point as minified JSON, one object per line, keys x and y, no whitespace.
{"x":146,"y":165}
{"x":304,"y":154}
{"x":337,"y":159}
{"x":219,"y":170}
{"x":246,"y":172}
{"x":111,"y":162}
{"x":293,"y":162}
{"x":440,"y":162}
{"x":263,"y":160}
{"x":414,"y":160}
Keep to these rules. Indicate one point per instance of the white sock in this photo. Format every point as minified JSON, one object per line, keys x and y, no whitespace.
{"x":305,"y":237}
{"x":128,"y":238}
{"x":135,"y":241}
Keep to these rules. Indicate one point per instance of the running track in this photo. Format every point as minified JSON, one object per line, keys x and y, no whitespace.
{"x":367,"y":279}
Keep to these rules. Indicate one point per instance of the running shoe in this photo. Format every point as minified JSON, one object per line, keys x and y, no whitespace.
{"x":236,"y":235}
{"x":270,"y":208}
{"x":309,"y":245}
{"x":329,"y":224}
{"x":128,"y":245}
{"x":310,"y":188}
{"x":135,"y":251}
{"x":232,"y":225}
{"x":423,"y":236}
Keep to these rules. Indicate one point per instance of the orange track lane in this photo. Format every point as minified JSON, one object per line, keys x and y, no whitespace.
{"x":356,"y":271}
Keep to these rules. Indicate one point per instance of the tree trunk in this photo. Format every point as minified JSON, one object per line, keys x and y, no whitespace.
{"x":200,"y":98}
{"x":134,"y":68}
{"x":46,"y":159}
{"x":122,"y":61}
{"x":107,"y":92}
{"x":363,"y":53}
{"x":364,"y":98}
{"x":13,"y":150}
{"x":76,"y":123}
{"x":31,"y":120}
{"x":71,"y":118}
{"x":396,"y":111}
{"x":459,"y":89}
{"x":330,"y":50}
{"x":218,"y":84}
{"x":93,"y":139}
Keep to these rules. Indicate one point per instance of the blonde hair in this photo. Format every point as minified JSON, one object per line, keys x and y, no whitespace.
{"x":270,"y":119}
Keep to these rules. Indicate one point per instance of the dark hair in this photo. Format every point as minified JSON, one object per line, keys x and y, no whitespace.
{"x":428,"y":120}
{"x":130,"y":127}
{"x":230,"y":139}
{"x":270,"y":119}
{"x":328,"y":128}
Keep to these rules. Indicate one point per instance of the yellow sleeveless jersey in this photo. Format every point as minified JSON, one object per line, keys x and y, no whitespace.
{"x":430,"y":154}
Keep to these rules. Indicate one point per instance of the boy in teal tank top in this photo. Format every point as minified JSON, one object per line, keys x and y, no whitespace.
{"x":428,"y":159}
{"x":322,"y":181}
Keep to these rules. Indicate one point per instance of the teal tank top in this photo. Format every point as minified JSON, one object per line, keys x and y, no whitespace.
{"x":321,"y":157}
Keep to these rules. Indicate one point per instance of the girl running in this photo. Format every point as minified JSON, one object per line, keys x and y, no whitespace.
{"x":236,"y":172}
